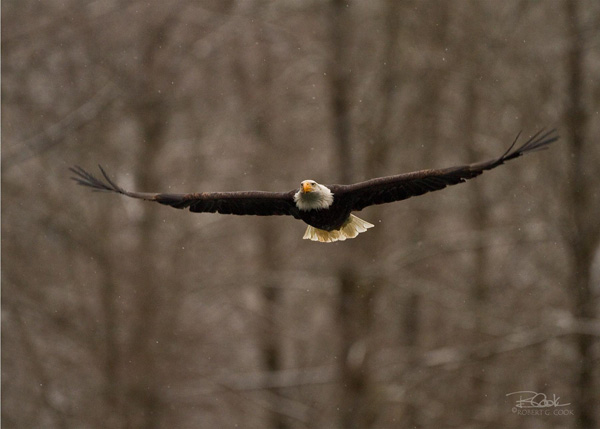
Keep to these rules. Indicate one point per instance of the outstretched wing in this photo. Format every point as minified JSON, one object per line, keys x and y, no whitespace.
{"x":239,"y":203}
{"x":400,"y":187}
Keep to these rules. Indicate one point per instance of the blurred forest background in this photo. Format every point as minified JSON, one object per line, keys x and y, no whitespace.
{"x":123,"y":314}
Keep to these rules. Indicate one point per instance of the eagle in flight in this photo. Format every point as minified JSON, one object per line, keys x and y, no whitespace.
{"x":327,"y":209}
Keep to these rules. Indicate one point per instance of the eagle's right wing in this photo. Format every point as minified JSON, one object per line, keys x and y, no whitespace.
{"x":239,"y":203}
{"x":402,"y":186}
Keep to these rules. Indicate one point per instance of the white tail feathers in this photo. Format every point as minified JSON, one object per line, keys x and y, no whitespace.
{"x":350,"y":229}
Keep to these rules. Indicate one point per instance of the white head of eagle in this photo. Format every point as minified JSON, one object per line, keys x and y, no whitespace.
{"x":313,"y":196}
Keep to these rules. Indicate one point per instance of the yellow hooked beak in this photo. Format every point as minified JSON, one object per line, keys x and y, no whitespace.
{"x":307,"y":187}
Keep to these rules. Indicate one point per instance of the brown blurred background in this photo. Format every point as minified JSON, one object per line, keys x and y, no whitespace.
{"x":123,"y":314}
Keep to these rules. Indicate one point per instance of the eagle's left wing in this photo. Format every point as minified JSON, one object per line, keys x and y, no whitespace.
{"x":239,"y":203}
{"x":400,"y":187}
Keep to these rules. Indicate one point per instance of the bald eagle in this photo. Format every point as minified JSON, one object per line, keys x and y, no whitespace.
{"x":327,"y":209}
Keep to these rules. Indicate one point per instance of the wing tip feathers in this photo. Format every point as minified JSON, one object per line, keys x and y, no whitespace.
{"x":541,"y":140}
{"x":84,"y":178}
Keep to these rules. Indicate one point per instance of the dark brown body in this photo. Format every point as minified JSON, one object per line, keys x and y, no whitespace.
{"x":331,"y":218}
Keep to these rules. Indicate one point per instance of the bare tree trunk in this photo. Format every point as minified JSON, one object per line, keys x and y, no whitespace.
{"x":355,"y":318}
{"x":354,"y":311}
{"x":145,"y":389}
{"x":339,"y":78}
{"x":584,"y":230}
{"x":479,"y":218}
{"x":271,"y":289}
{"x":377,"y":156}
{"x":257,"y":98}
{"x":430,"y":109}
{"x":151,"y":114}
{"x":113,"y":358}
{"x":43,"y":378}
{"x":352,"y":382}
{"x":388,"y":87}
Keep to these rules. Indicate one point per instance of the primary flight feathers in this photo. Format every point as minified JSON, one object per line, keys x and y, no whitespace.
{"x":326,"y":209}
